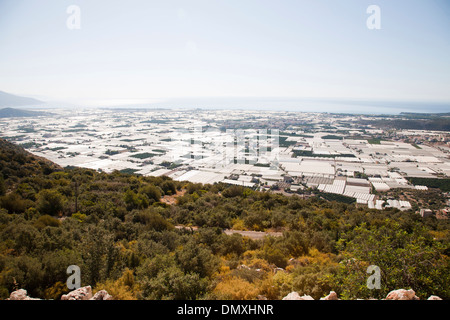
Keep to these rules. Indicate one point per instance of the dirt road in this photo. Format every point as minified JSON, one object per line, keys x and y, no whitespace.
{"x":254,"y":235}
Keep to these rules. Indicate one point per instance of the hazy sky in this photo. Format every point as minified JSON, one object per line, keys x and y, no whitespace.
{"x":225,"y":48}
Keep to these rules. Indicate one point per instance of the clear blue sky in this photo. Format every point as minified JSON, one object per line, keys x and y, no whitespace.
{"x":145,"y":49}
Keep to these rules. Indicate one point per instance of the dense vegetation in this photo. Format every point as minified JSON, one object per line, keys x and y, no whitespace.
{"x":443,"y":184}
{"x":309,"y":153}
{"x":426,"y":123}
{"x":127,"y":240}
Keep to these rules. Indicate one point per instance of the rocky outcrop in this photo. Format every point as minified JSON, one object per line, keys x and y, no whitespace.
{"x":102,"y":295}
{"x":402,"y":294}
{"x":295,"y":296}
{"x":331,"y":296}
{"x":292,"y":296}
{"x":20,"y":294}
{"x":83,"y":293}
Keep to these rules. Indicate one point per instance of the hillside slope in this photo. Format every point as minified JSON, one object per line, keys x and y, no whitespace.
{"x":20,"y":113}
{"x":17,"y":163}
{"x":11,"y":100}
{"x":125,"y":240}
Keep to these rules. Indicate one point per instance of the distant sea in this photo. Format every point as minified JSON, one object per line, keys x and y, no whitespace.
{"x":374,"y":107}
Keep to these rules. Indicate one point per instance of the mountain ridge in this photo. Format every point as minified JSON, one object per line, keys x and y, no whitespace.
{"x":21,"y":113}
{"x":11,"y":100}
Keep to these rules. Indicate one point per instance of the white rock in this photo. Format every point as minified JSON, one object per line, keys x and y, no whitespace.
{"x":83,"y":293}
{"x":295,"y":296}
{"x":331,"y":296}
{"x":402,"y":294}
{"x":292,"y":296}
{"x":102,"y":295}
{"x":276,"y":270}
{"x":434,"y":298}
{"x":20,"y":294}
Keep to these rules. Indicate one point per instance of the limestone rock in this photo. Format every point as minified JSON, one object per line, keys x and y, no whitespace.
{"x":295,"y":296}
{"x":102,"y":295}
{"x":20,"y":294}
{"x":434,"y":298}
{"x":402,"y":294}
{"x":83,"y":293}
{"x":331,"y":296}
{"x":276,"y":270}
{"x":292,"y":296}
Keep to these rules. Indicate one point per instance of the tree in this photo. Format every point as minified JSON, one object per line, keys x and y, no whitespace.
{"x":99,"y":254}
{"x":26,"y":238}
{"x":152,"y":192}
{"x":161,"y":278}
{"x":296,"y":243}
{"x":172,"y":283}
{"x":27,"y":273}
{"x":14,"y":203}
{"x":46,"y":220}
{"x":54,"y":265}
{"x":26,"y":191}
{"x":273,"y":253}
{"x":233,"y":244}
{"x":131,"y":200}
{"x":233,"y":191}
{"x":2,"y":185}
{"x":168,"y":187}
{"x":235,"y":289}
{"x":50,"y":202}
{"x":152,"y":220}
{"x":406,"y":260}
{"x":124,"y":288}
{"x":195,"y":258}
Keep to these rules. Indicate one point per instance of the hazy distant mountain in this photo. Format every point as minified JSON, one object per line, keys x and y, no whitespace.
{"x":19,"y":113}
{"x":10,"y":100}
